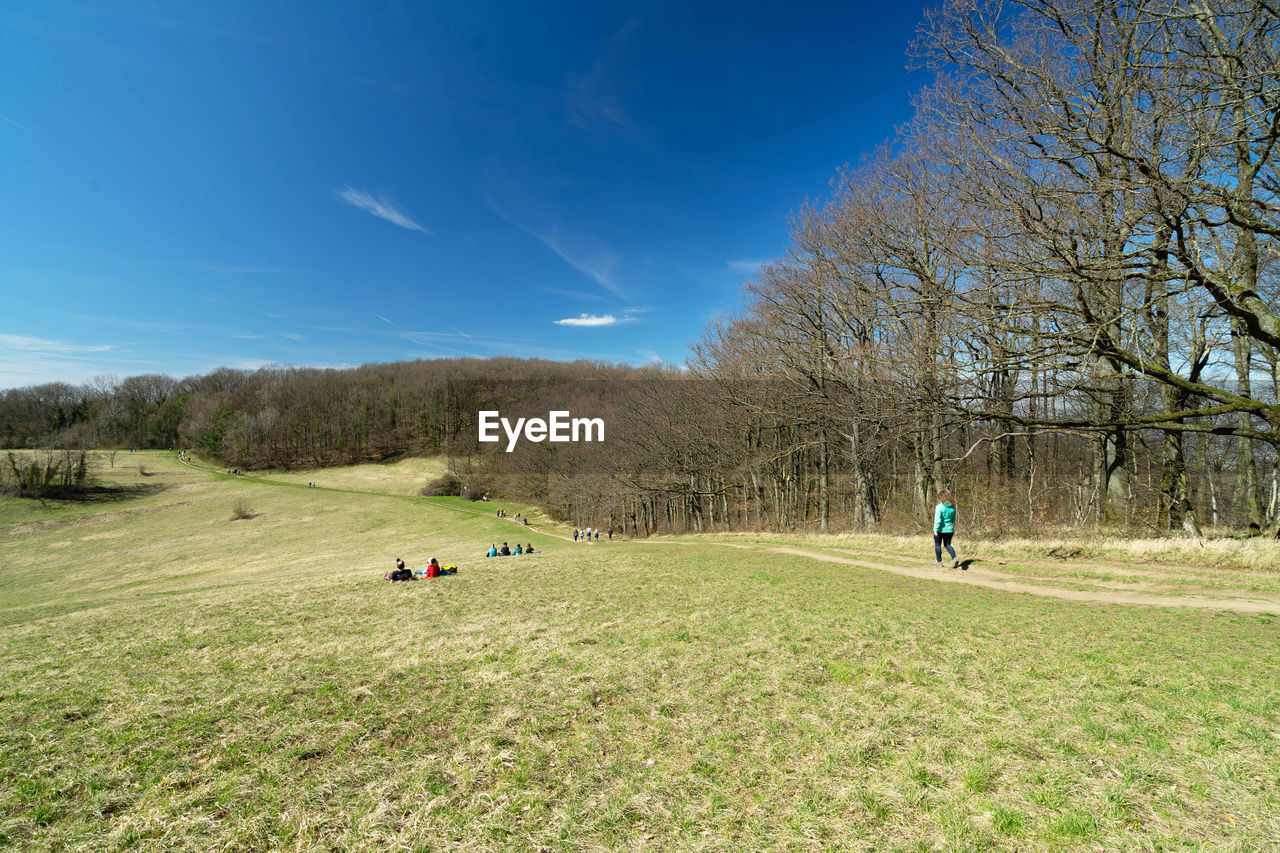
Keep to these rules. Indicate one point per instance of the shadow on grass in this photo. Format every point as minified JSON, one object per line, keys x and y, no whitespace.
{"x":117,"y":494}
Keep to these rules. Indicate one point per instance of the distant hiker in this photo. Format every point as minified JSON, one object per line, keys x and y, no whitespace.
{"x":575,"y":534}
{"x":944,"y":525}
{"x":526,"y":521}
{"x":506,"y":550}
{"x":597,"y":534}
{"x":493,"y":551}
{"x":610,"y":532}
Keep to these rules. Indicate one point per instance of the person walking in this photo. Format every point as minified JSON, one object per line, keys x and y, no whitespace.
{"x":944,"y":526}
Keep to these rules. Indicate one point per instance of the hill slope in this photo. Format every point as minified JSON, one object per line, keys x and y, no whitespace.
{"x":174,"y":679}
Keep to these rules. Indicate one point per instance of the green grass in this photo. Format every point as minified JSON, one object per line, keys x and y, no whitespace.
{"x":173,"y":679}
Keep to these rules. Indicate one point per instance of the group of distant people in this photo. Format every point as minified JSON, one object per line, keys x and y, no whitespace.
{"x":502,"y":513}
{"x":433,"y":570}
{"x":505,"y":550}
{"x":587,"y":535}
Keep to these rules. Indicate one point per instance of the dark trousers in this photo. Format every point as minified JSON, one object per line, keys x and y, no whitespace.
{"x":940,"y":540}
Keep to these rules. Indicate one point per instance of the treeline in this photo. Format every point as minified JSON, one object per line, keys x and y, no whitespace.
{"x":288,"y":417}
{"x":1075,"y":238}
{"x":1054,"y":293}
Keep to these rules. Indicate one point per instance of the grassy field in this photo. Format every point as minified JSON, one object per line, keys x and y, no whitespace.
{"x":173,"y":678}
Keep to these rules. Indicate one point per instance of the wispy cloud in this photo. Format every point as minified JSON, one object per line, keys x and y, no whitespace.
{"x":293,"y":336}
{"x":591,"y":97}
{"x":24,"y":360}
{"x":589,"y":320}
{"x":22,"y":343}
{"x":380,"y":208}
{"x":744,"y":265}
{"x":383,"y":319}
{"x":12,"y":122}
{"x":572,"y":294}
{"x":250,"y":363}
{"x":595,"y":264}
{"x":649,"y":356}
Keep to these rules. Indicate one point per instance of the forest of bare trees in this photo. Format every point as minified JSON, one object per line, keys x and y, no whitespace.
{"x":1066,"y":263}
{"x":1052,"y":293}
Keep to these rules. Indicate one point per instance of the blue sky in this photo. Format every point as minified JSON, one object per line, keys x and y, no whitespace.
{"x":189,"y":185}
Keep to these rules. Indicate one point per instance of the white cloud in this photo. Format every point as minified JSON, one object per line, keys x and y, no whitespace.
{"x":589,"y":320}
{"x":251,"y":363}
{"x":379,"y":208}
{"x":746,"y":265}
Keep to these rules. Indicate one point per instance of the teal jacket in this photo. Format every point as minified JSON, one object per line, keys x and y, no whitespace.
{"x":944,"y":518}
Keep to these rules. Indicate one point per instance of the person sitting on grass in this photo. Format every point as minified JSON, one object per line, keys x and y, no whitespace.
{"x":518,"y":551}
{"x":529,"y":549}
{"x":506,"y":550}
{"x":493,"y":551}
{"x":401,"y":573}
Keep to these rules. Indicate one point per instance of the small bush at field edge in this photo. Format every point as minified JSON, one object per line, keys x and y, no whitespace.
{"x":446,"y":485}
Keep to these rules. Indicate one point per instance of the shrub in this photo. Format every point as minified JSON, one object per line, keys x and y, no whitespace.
{"x":478,"y":489}
{"x":241,"y":509}
{"x":60,"y":474}
{"x":446,"y":485}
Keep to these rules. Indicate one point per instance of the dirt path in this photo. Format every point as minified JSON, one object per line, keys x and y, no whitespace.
{"x":993,"y":580}
{"x":1059,"y":565}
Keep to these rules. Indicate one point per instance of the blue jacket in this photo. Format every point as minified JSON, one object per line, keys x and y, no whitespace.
{"x":944,"y":518}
